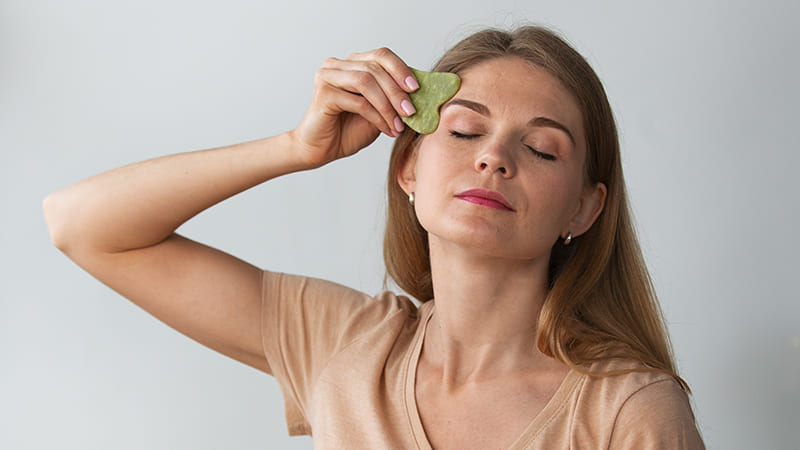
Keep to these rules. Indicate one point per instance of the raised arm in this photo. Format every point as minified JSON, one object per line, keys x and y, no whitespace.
{"x":120,"y":225}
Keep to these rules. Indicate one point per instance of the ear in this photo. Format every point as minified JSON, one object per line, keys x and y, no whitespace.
{"x":592,"y":201}
{"x":407,"y":172}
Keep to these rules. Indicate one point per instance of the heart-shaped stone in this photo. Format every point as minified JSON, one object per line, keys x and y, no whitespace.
{"x":435,"y":88}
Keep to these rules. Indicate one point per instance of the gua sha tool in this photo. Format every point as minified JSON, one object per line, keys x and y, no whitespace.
{"x":435,"y":88}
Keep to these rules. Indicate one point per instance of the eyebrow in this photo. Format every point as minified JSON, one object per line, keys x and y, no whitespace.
{"x":535,"y":122}
{"x":547,"y":122}
{"x":475,"y":106}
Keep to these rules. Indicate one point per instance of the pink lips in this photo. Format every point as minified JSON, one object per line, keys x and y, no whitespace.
{"x":486,"y":198}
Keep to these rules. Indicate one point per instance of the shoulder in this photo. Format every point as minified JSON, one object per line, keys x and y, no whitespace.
{"x":318,"y":336}
{"x":328,"y":300}
{"x":637,"y":408}
{"x":319,"y":316}
{"x":620,"y":379}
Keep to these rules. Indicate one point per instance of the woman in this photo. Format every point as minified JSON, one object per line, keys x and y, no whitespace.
{"x":539,"y":327}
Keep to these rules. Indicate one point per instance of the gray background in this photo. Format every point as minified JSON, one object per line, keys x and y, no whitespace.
{"x":705,"y":95}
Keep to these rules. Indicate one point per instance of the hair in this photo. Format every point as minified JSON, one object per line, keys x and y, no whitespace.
{"x":601,"y":302}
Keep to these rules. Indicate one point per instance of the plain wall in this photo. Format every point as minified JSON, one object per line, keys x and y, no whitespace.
{"x":705,"y":94}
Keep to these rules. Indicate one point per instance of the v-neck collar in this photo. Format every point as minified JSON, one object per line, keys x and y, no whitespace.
{"x":553,"y":406}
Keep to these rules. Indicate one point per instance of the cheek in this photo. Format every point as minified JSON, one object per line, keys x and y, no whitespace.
{"x":554,"y":198}
{"x":570,"y":198}
{"x":437,"y":173}
{"x":430,"y":192}
{"x":435,"y":165}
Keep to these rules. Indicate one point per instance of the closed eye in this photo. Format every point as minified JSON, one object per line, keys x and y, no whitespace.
{"x":545,"y":156}
{"x":542,"y":155}
{"x":463,"y":135}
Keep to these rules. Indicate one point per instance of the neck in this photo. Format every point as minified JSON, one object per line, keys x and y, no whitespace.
{"x":486,"y":316}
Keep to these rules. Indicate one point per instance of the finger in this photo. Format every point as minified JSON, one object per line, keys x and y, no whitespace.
{"x":365,"y":84}
{"x":339,"y":101}
{"x":396,"y":94}
{"x":392,"y":64}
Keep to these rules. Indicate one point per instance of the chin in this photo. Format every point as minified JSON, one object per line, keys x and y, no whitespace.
{"x":484,"y":234}
{"x":486,"y":245}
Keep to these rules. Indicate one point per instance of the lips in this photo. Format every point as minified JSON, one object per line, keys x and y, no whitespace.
{"x":486,"y":198}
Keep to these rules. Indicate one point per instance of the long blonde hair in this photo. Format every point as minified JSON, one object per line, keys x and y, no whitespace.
{"x":601,"y":302}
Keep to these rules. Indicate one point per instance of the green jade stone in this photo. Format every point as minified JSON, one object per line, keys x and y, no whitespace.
{"x":435,"y":88}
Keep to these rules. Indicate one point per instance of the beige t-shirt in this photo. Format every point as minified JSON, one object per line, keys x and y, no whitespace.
{"x":346,"y":364}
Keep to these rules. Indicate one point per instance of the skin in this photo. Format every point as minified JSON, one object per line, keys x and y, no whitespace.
{"x":480,"y":377}
{"x":120,"y":225}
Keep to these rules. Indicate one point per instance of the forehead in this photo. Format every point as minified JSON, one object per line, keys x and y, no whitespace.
{"x":513,"y":87}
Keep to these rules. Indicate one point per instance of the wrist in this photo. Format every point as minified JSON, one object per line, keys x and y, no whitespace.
{"x":285,"y":153}
{"x":304,"y":156}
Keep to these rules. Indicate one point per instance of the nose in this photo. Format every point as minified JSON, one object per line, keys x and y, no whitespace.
{"x":495,"y":158}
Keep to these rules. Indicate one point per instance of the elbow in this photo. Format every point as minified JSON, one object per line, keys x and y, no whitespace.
{"x":55,"y":218}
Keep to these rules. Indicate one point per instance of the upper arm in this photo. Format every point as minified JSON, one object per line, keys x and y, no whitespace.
{"x":208,"y":295}
{"x":656,"y":416}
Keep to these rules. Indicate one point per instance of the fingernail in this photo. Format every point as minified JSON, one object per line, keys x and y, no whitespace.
{"x":411,"y":82}
{"x":398,"y":124}
{"x":408,"y":107}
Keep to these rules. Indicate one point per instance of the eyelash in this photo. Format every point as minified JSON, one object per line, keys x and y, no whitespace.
{"x":545,"y":156}
{"x":463,"y":136}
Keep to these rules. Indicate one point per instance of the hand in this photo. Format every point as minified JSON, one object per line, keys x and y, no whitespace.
{"x":354,"y":100}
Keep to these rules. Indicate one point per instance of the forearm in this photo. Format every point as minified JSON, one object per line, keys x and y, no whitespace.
{"x":143,"y":203}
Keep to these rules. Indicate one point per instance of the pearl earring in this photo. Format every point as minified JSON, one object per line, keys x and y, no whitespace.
{"x":568,"y":239}
{"x":411,"y":198}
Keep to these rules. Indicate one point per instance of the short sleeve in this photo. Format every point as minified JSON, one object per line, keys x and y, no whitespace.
{"x":657,"y":416}
{"x":304,"y":323}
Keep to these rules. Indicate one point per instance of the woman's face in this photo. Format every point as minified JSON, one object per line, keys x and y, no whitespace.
{"x":504,"y":172}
